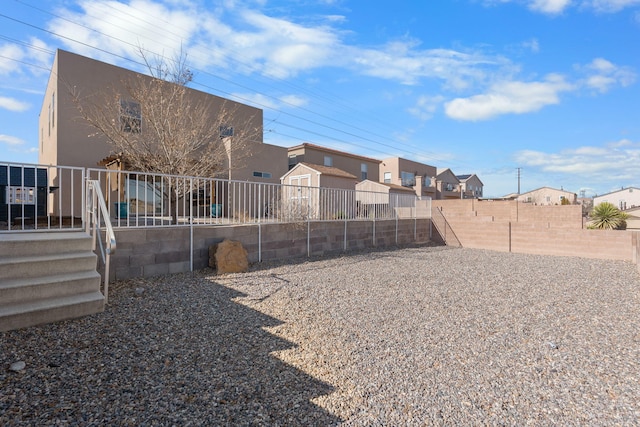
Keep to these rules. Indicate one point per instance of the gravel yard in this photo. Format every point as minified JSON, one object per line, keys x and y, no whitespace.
{"x":418,"y":336}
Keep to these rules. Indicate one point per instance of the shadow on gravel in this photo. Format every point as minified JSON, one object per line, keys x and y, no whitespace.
{"x":175,"y":353}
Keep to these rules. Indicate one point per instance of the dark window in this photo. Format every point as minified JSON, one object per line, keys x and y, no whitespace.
{"x":226,"y":131}
{"x":130,"y":116}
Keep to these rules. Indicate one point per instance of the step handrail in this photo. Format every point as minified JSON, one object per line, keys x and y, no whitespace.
{"x":97,"y":211}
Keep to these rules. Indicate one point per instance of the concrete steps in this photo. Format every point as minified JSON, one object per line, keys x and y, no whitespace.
{"x":47,"y":277}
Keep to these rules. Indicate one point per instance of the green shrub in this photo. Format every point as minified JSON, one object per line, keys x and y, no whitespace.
{"x":606,"y":216}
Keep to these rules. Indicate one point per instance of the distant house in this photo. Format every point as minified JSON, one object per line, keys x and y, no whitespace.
{"x":633,"y":222}
{"x":547,"y":196}
{"x":625,"y":198}
{"x":471,"y":186}
{"x":447,"y":185}
{"x":409,"y":174}
{"x":359,"y":166}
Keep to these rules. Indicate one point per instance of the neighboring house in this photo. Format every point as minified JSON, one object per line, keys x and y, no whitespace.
{"x":63,"y":134}
{"x":447,"y":185}
{"x":624,"y":198}
{"x":359,"y":166}
{"x":546,"y":196}
{"x":471,"y":186}
{"x":409,"y":174}
{"x":633,"y":222}
{"x":302,"y":195}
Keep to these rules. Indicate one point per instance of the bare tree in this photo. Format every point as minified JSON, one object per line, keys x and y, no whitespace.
{"x":157,"y":124}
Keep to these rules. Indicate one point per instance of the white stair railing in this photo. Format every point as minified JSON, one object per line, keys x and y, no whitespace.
{"x":96,"y":213}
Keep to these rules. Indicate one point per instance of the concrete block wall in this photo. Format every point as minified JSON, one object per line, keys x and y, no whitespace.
{"x":147,"y":252}
{"x":599,"y":244}
{"x":568,"y":216}
{"x":523,"y":237}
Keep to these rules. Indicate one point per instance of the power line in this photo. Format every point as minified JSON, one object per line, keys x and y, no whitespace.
{"x":394,"y":147}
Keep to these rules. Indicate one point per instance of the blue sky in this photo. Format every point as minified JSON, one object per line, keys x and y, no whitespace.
{"x":479,"y":86}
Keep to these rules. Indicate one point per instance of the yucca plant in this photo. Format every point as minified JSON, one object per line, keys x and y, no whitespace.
{"x":606,"y":216}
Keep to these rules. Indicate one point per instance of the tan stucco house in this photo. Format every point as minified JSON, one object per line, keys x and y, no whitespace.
{"x":447,"y":185}
{"x":64,"y":136}
{"x":359,"y":166}
{"x":625,"y":198}
{"x":409,"y":174}
{"x":547,"y":196}
{"x":471,"y":186}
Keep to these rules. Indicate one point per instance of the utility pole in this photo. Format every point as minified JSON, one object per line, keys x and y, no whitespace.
{"x":518,"y":169}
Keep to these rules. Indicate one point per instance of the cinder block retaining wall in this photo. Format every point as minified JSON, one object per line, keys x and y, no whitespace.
{"x":146,"y":252}
{"x":510,"y":226}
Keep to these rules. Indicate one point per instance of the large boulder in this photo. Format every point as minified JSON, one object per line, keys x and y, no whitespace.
{"x":231,"y":257}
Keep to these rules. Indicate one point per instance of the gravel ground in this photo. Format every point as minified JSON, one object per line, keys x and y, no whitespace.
{"x":419,"y":336}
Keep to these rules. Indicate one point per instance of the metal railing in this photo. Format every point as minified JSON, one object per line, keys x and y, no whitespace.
{"x":139,"y":199}
{"x":442,"y":226}
{"x":40,"y":197}
{"x":97,"y":214}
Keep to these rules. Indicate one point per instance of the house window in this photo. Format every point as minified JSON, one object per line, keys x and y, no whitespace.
{"x":130,"y":116}
{"x":548,"y":199}
{"x":407,"y":179}
{"x":21,"y":195}
{"x":262,"y":174}
{"x":328,"y":161}
{"x":363,"y":171}
{"x":387,"y":177}
{"x":293,"y":160}
{"x":623,"y":205}
{"x":226,"y":131}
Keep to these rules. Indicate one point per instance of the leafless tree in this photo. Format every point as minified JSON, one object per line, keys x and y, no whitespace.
{"x":157,"y":124}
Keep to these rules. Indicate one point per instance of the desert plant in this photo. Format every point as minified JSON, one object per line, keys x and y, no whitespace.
{"x":606,"y":216}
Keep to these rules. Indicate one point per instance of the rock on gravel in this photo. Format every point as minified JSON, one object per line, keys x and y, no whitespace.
{"x":419,"y":336}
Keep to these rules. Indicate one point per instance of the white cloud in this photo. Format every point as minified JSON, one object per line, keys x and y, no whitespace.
{"x":426,"y":106}
{"x":510,"y":97}
{"x":9,"y":55}
{"x":555,"y":7}
{"x":549,"y":6}
{"x":12,"y":104}
{"x":294,"y":100}
{"x":602,"y":75}
{"x":404,"y":62}
{"x":615,"y":163}
{"x":611,"y":5}
{"x":120,"y":28}
{"x":11,"y":140}
{"x":229,"y":36}
{"x":533,"y":45}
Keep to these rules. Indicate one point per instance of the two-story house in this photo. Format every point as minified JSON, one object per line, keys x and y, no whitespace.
{"x":409,"y":174}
